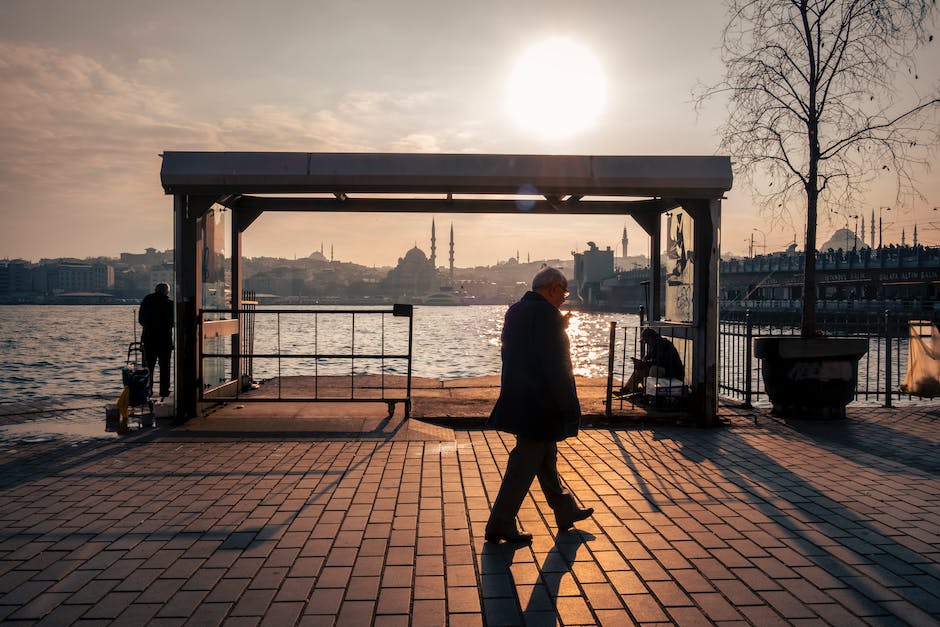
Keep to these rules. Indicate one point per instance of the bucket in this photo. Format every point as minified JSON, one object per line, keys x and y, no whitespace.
{"x":138,"y":381}
{"x":112,"y":417}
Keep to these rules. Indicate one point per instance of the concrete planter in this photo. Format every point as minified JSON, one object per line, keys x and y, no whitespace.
{"x":810,"y":377}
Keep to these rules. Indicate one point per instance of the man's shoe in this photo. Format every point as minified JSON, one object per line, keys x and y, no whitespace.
{"x":566,"y":523}
{"x":513,"y":535}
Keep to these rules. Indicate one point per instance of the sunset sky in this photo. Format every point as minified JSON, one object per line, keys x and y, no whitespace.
{"x":92,"y":92}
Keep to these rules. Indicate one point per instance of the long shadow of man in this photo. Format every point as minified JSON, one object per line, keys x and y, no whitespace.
{"x":504,"y":597}
{"x":811,"y":529}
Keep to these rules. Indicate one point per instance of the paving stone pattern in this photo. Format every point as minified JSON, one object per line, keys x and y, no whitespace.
{"x":761,"y":524}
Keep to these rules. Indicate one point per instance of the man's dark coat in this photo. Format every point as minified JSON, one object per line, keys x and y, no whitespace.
{"x":538,"y":399}
{"x":156,"y":319}
{"x":663,"y":353}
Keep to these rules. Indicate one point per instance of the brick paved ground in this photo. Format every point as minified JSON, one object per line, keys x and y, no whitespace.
{"x":766,"y":523}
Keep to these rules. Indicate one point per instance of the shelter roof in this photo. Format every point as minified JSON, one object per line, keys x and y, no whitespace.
{"x":552,"y":176}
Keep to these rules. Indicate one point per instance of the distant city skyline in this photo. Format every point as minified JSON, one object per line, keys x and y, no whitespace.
{"x":755,"y":245}
{"x":91,"y":97}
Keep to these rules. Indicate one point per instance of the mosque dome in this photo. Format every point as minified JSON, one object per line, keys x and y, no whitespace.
{"x":415,"y":255}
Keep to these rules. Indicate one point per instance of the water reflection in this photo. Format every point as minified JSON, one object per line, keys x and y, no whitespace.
{"x":40,"y":360}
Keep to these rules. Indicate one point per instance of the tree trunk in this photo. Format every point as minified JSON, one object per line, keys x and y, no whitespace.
{"x":808,"y":326}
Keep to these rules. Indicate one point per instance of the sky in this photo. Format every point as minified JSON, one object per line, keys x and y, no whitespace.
{"x":92,"y":92}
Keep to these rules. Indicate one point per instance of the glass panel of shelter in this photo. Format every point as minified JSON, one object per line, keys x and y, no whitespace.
{"x":215,"y":232}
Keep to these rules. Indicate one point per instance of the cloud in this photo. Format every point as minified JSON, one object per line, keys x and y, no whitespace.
{"x":154,"y":66}
{"x":81,"y":142}
{"x":64,"y":117}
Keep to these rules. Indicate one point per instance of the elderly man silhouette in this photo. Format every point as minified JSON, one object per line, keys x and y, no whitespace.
{"x":538,"y":403}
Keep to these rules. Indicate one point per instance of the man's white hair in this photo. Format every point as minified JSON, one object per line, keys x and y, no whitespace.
{"x":547,"y":277}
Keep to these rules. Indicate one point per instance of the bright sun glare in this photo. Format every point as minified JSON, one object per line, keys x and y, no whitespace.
{"x":557,"y":88}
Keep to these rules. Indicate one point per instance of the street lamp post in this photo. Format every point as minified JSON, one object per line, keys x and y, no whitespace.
{"x":763,"y":240}
{"x":854,"y":233}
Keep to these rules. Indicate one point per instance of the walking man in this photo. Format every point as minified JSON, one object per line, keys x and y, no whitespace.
{"x":156,"y":318}
{"x":538,"y":403}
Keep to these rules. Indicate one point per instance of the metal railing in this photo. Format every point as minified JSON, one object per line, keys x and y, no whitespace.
{"x":249,"y":303}
{"x":312,"y":355}
{"x":740,"y":379}
{"x":625,"y":344}
{"x":880,"y":371}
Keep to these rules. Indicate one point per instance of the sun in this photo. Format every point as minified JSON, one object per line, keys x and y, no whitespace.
{"x":557,"y":88}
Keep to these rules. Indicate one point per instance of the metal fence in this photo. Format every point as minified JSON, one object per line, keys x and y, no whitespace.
{"x":312,"y":355}
{"x":625,"y":345}
{"x":880,"y":371}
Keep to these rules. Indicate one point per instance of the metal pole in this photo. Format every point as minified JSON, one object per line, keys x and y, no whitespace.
{"x":748,"y":356}
{"x":610,"y":368}
{"x":888,"y":364}
{"x":410,"y":344}
{"x":352,"y":360}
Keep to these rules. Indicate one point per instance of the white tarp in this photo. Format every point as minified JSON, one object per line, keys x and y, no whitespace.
{"x":923,"y":361}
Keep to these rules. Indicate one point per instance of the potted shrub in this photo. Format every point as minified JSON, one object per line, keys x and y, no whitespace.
{"x":810,"y":377}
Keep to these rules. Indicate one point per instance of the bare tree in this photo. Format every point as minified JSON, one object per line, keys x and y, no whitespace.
{"x":814,"y":110}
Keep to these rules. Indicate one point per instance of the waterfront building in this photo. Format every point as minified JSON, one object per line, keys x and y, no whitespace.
{"x":15,"y":276}
{"x":77,"y":276}
{"x":150,"y":257}
{"x":591,"y":267}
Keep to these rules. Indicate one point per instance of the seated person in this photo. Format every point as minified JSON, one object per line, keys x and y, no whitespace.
{"x":661,"y":360}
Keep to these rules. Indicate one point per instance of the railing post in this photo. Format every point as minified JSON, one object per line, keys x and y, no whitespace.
{"x":608,"y":409}
{"x":403,"y":310}
{"x":888,"y":364}
{"x":748,"y":356}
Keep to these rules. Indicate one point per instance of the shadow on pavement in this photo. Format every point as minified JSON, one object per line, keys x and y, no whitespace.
{"x":502,"y":604}
{"x":864,"y":563}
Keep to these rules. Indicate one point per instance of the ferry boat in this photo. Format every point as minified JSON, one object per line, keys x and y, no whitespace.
{"x":446,"y":297}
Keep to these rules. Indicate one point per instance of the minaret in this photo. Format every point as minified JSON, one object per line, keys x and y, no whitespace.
{"x":433,"y":246}
{"x":863,"y":229}
{"x":623,"y":242}
{"x":331,"y":253}
{"x":451,"y":251}
{"x":902,"y":238}
{"x":872,"y":228}
{"x":915,"y":235}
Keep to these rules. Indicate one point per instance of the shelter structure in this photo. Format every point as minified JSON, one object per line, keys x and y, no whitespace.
{"x":218,"y":195}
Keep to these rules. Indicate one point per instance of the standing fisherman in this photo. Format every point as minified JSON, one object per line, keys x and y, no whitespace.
{"x":156,"y":318}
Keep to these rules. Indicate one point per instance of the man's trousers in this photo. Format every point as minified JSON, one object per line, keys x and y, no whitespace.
{"x":528,"y":460}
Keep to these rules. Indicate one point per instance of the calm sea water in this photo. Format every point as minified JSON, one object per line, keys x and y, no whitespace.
{"x":77,"y":352}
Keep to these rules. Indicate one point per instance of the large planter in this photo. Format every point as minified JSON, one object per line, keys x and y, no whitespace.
{"x":810,"y":377}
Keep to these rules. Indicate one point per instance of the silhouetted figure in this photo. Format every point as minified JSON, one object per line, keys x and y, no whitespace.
{"x":538,"y":403}
{"x":156,"y":318}
{"x":660,"y":360}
